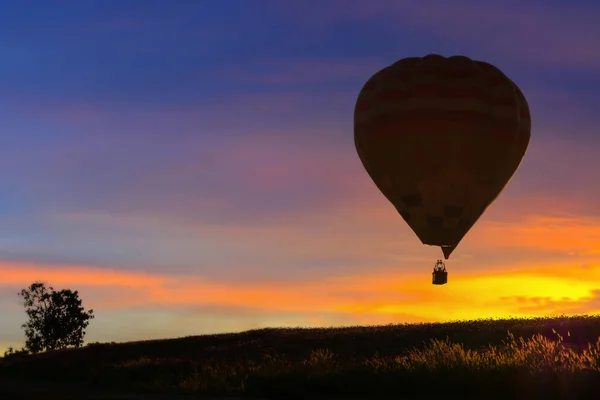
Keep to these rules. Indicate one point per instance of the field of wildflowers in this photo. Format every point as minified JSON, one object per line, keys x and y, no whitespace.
{"x":510,"y":358}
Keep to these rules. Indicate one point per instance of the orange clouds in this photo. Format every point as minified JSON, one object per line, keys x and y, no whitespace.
{"x":14,"y":273}
{"x":572,"y":235}
{"x":467,"y":296}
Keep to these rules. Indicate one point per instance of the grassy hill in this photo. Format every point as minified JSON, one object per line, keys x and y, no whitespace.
{"x":511,"y":358}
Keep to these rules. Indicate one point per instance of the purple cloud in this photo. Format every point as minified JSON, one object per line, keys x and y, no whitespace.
{"x":533,"y":34}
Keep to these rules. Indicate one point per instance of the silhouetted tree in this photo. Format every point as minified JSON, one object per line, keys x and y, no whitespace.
{"x":56,"y":319}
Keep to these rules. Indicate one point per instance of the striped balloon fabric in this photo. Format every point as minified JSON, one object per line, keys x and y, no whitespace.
{"x":441,"y":137}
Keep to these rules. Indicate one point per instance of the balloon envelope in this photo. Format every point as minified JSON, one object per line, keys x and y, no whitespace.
{"x":441,"y":137}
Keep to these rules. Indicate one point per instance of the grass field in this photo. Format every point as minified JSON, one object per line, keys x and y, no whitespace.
{"x":512,"y":358}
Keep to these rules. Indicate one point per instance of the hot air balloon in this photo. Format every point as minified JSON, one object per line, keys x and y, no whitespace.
{"x":441,"y":137}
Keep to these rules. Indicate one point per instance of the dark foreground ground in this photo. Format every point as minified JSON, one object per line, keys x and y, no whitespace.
{"x":554,"y":358}
{"x":21,"y":389}
{"x":11,"y":388}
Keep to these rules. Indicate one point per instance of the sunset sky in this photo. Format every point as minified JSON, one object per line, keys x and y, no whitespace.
{"x":189,"y":166}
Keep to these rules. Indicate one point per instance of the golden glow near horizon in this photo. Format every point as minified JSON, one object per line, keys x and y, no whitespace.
{"x":561,"y":278}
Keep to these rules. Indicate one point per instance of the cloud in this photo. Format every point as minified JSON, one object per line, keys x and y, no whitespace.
{"x":219,"y":179}
{"x":225,"y":114}
{"x":163,"y":290}
{"x":291,"y":207}
{"x":135,"y":305}
{"x":218,"y":175}
{"x":589,"y":304}
{"x":25,"y":273}
{"x":534,"y":34}
{"x":573,"y":235}
{"x":302,"y":72}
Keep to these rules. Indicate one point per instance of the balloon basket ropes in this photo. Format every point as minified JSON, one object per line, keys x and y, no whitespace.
{"x":440,"y":274}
